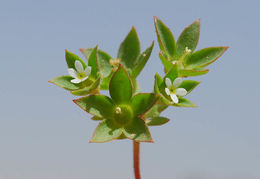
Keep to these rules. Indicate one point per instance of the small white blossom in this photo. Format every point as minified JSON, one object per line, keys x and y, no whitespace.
{"x":187,"y":50}
{"x":80,"y":74}
{"x":172,"y":89}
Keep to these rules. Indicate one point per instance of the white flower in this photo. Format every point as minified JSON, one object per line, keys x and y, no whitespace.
{"x":172,"y":89}
{"x":80,"y":74}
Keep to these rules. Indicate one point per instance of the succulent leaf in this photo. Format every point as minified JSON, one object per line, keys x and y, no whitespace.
{"x":71,"y":58}
{"x":120,"y":87}
{"x":98,"y":105}
{"x":106,"y":131}
{"x":141,"y":61}
{"x":165,"y":38}
{"x":142,"y":102}
{"x":157,"y":121}
{"x":129,"y":49}
{"x":188,"y":39}
{"x":65,"y":82}
{"x":204,"y":57}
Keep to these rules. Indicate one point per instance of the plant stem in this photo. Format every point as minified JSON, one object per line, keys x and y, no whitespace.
{"x":136,"y":148}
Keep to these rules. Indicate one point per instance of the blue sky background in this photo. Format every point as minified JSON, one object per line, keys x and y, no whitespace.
{"x":44,"y":135}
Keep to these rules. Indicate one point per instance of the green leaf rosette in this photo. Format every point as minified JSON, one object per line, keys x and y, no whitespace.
{"x":121,"y":114}
{"x":182,"y":53}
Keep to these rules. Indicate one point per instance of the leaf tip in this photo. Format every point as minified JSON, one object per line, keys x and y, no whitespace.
{"x":133,"y":28}
{"x":226,"y":47}
{"x":155,"y":18}
{"x":197,"y":21}
{"x":81,"y":50}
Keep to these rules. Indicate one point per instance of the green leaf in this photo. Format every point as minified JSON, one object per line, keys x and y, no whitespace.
{"x":166,"y":63}
{"x":142,"y":102}
{"x":184,"y":103}
{"x":189,"y":38}
{"x":129,"y":49}
{"x":204,"y":57}
{"x":186,"y":73}
{"x":157,"y":83}
{"x":172,"y":74}
{"x":136,"y":87}
{"x":165,"y":38}
{"x":88,"y":89}
{"x":105,"y":82}
{"x":141,"y":61}
{"x":106,"y":131}
{"x":155,"y":110}
{"x":120,"y":87}
{"x":157,"y":121}
{"x":96,"y":118}
{"x":103,"y":60}
{"x":92,"y":61}
{"x":189,"y":85}
{"x":64,"y":82}
{"x":138,"y":131}
{"x":98,"y":105}
{"x":71,"y":58}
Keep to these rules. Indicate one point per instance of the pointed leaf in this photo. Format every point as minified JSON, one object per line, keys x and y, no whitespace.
{"x":92,"y":61}
{"x":186,"y":73}
{"x":172,"y":74}
{"x":189,"y":38}
{"x":141,"y":61}
{"x":157,"y":83}
{"x":129,"y":49}
{"x":138,"y":131}
{"x":88,"y":89}
{"x":184,"y":103}
{"x":105,"y":82}
{"x":157,"y":121}
{"x":120,"y":87}
{"x":166,"y":63}
{"x":204,"y":57}
{"x":71,"y":58}
{"x":189,"y":85}
{"x":103,"y":60}
{"x":136,"y":87}
{"x":98,"y":105}
{"x":106,"y":131}
{"x":142,"y":102}
{"x":65,"y":82}
{"x":155,"y":110}
{"x":165,"y":38}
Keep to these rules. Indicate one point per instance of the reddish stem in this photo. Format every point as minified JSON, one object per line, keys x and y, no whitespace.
{"x":136,"y":148}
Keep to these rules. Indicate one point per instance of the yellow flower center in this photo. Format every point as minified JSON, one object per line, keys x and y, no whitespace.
{"x":81,"y":75}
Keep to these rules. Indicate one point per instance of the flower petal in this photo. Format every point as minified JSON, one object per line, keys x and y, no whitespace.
{"x":87,"y":71}
{"x":168,"y":82}
{"x":79,"y":66}
{"x":72,"y":72}
{"x":181,"y":92}
{"x":174,"y":98}
{"x":76,"y":80}
{"x":167,"y":91}
{"x":83,"y":79}
{"x":177,"y":82}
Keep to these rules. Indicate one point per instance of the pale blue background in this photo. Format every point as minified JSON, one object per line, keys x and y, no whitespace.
{"x":44,"y":135}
